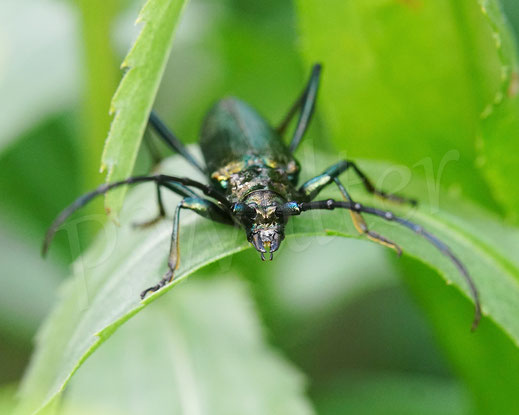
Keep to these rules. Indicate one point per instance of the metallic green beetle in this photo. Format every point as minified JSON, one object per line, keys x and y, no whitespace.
{"x":253,"y":178}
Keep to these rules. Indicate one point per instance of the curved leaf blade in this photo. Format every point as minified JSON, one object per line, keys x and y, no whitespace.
{"x":197,"y":345}
{"x":108,"y":279}
{"x":487,"y":363}
{"x":134,"y":97}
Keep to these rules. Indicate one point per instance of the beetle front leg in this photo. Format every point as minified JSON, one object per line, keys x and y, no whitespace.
{"x":204,"y":208}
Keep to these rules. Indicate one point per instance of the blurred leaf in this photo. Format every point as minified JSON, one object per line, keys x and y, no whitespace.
{"x":498,"y":146}
{"x":110,"y":276}
{"x":25,"y":279}
{"x":512,"y":13}
{"x":101,"y":77}
{"x":39,"y":174}
{"x":405,"y":80}
{"x":37,"y":78}
{"x":486,"y":360}
{"x":330,"y":302}
{"x":199,"y":350}
{"x":230,"y":47}
{"x":28,"y":291}
{"x":393,"y":394}
{"x":133,"y":100}
{"x":7,"y":399}
{"x":346,"y":268}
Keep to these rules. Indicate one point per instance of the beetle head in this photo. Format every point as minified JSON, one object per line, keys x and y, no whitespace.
{"x":257,"y":213}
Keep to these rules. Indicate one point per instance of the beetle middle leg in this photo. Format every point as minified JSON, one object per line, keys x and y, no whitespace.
{"x":203,"y":207}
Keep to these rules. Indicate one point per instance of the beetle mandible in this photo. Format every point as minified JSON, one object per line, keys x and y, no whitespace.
{"x":253,"y":183}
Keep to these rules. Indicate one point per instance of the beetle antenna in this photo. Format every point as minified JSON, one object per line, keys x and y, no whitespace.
{"x":104,"y":188}
{"x":290,"y":209}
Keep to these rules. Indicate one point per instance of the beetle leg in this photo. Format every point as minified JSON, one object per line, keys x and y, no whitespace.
{"x":152,"y":149}
{"x":311,"y":188}
{"x":172,"y":141}
{"x":203,"y":207}
{"x":361,"y":225}
{"x":380,"y":193}
{"x":295,"y":208}
{"x":305,"y":104}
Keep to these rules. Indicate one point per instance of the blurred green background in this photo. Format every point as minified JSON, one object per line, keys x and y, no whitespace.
{"x":370,"y":337}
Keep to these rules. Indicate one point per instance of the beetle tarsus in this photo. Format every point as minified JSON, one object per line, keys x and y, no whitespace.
{"x":165,"y":280}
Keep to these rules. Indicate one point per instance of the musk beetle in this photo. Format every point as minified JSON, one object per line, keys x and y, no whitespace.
{"x":253,"y":183}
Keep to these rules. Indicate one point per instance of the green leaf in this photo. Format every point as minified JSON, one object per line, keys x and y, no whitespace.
{"x":104,"y":292}
{"x":499,"y":158}
{"x":307,"y":303}
{"x":42,"y":165}
{"x":7,"y":398}
{"x":133,"y":99}
{"x":393,"y":394}
{"x":405,"y":81}
{"x":199,"y":350}
{"x":488,"y":363}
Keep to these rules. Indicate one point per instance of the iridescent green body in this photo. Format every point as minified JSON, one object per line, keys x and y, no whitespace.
{"x":244,"y":154}
{"x":248,"y":161}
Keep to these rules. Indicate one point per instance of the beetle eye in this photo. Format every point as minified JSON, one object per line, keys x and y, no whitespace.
{"x":243,"y":210}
